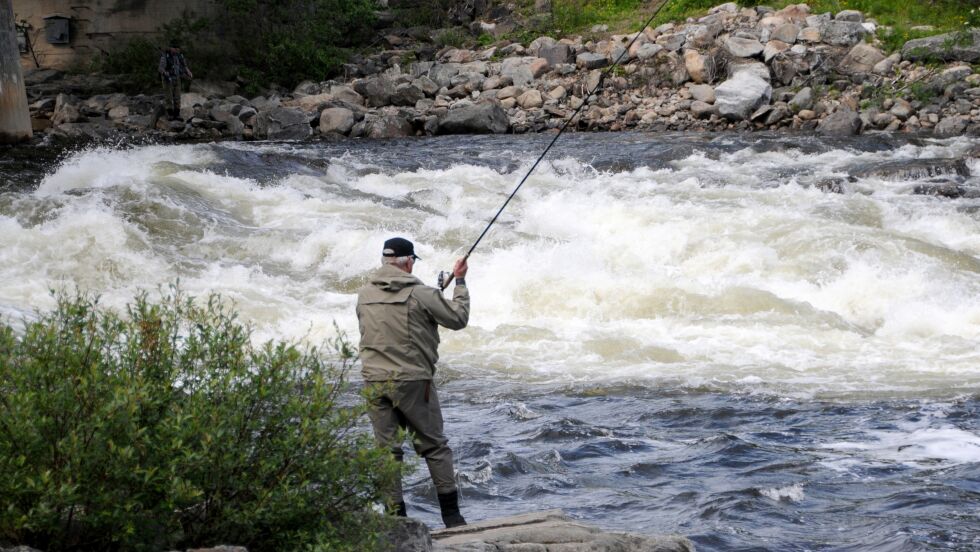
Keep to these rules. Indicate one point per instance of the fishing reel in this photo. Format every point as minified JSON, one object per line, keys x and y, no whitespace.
{"x":444,"y":279}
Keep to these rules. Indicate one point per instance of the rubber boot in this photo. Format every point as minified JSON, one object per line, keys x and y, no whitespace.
{"x":449,"y":504}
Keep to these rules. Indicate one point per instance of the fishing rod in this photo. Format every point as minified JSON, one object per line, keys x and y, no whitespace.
{"x":445,"y":276}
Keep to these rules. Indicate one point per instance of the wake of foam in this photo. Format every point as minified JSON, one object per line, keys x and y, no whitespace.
{"x":719,"y":271}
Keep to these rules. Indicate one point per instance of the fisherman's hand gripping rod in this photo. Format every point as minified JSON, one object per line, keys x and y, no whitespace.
{"x":443,"y":279}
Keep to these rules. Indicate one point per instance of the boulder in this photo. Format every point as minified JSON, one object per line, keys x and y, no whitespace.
{"x":672,"y":41}
{"x":309,"y":103}
{"x":843,"y":122}
{"x":796,"y":13}
{"x":377,"y":91}
{"x":537,"y":44}
{"x":509,"y":92}
{"x":426,"y":85}
{"x":738,"y":97}
{"x":671,"y":68}
{"x":191,"y":99}
{"x":842,"y":33}
{"x":590,"y":60}
{"x":754,"y":68}
{"x":809,"y":34}
{"x":442,"y":73}
{"x":885,"y":66}
{"x":346,"y":94}
{"x":773,"y":48}
{"x":406,"y":535}
{"x":119,"y":112}
{"x":850,"y":15}
{"x":902,"y":109}
{"x":518,"y":69}
{"x":557,"y":92}
{"x":703,"y":36}
{"x":957,"y":46}
{"x":700,"y":67}
{"x":862,"y":58}
{"x":388,"y":125}
{"x":557,"y":53}
{"x":703,"y":93}
{"x":802,"y":100}
{"x":283,"y":123}
{"x":481,"y":118}
{"x":227,"y":113}
{"x":530,"y":99}
{"x":787,"y":32}
{"x":743,"y":47}
{"x":703,"y":110}
{"x":538,"y":67}
{"x":649,"y":50}
{"x":406,"y":94}
{"x":777,"y":113}
{"x":339,"y":120}
{"x":952,"y":126}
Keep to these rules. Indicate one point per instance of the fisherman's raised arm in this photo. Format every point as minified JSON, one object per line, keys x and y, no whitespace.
{"x":454,"y":314}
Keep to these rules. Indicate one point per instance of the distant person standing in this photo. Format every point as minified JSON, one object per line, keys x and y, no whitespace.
{"x":172,"y":67}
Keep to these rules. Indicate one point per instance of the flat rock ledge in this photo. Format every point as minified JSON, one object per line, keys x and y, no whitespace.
{"x":547,"y":531}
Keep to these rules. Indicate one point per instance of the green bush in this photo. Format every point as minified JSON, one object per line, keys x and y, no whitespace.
{"x":168,"y":428}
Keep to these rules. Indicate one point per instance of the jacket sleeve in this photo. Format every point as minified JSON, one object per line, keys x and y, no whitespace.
{"x":453,"y":314}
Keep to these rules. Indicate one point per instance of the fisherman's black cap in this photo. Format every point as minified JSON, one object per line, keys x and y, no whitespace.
{"x":399,"y":247}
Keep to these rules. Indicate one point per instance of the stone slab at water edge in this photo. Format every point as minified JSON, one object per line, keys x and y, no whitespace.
{"x":548,"y":531}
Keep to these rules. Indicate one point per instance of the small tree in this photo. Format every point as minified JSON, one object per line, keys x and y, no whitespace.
{"x":168,"y":428}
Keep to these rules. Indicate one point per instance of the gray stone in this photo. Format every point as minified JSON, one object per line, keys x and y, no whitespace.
{"x":192,"y":99}
{"x":336,"y":119}
{"x":842,"y":33}
{"x":386,"y":125}
{"x":787,"y":32}
{"x":703,"y":110}
{"x":346,"y":94}
{"x":518,"y":69}
{"x":902,"y":109}
{"x":913,"y":169}
{"x":283,"y":123}
{"x":753,"y":68}
{"x":377,"y":91}
{"x":482,"y":118}
{"x":802,"y":100}
{"x":849,"y":15}
{"x":743,"y":47}
{"x":952,"y":126}
{"x":738,"y":97}
{"x":648,"y":50}
{"x":530,"y":99}
{"x":702,"y":36}
{"x":557,"y":53}
{"x":213,"y":89}
{"x":862,"y":58}
{"x":541,"y":42}
{"x":703,"y":93}
{"x":426,"y":85}
{"x":589,"y":60}
{"x":957,"y":46}
{"x":778,"y":113}
{"x":509,"y":92}
{"x":227,"y":113}
{"x":672,"y":41}
{"x":549,"y":531}
{"x":406,"y":94}
{"x":407,"y":535}
{"x":442,"y":73}
{"x":774,"y":48}
{"x":886,"y":65}
{"x":843,"y":122}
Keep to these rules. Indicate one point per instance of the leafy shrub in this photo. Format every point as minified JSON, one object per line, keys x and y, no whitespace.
{"x":168,"y":428}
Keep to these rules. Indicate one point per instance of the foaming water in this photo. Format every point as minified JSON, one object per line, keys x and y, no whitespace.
{"x":675,"y":333}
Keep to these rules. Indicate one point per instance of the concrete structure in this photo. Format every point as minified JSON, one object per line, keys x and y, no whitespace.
{"x":65,"y":33}
{"x":15,"y":119}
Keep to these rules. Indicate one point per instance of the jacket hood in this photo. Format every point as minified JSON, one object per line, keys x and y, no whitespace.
{"x":389,"y":278}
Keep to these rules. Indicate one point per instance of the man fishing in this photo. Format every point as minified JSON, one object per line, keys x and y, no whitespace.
{"x":399,"y":319}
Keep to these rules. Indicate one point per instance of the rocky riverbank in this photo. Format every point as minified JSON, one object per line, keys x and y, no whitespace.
{"x":733,"y":69}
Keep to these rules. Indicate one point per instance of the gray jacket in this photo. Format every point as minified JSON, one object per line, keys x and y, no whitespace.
{"x":399,"y":318}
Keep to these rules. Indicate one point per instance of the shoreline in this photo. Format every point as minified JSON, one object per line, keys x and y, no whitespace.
{"x":733,"y":70}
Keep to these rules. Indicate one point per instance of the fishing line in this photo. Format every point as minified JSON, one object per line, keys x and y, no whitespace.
{"x":443,"y":279}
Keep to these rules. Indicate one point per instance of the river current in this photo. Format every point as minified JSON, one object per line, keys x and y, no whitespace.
{"x":670,"y":333}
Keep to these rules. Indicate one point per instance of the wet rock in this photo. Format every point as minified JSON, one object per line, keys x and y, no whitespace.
{"x":407,"y":535}
{"x":862,"y":58}
{"x":589,"y":60}
{"x":941,"y":189}
{"x":913,"y":169}
{"x":283,"y":123}
{"x":339,"y":120}
{"x":956,"y":46}
{"x":481,"y":118}
{"x":738,"y":97}
{"x":387,"y":125}
{"x":952,"y":126}
{"x":843,"y":122}
{"x":777,"y":113}
{"x":743,"y":47}
{"x":227,"y":113}
{"x":377,"y":91}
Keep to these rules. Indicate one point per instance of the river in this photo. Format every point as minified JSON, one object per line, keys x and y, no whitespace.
{"x":669,"y":333}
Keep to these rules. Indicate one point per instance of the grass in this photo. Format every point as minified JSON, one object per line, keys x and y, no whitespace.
{"x":897,"y":17}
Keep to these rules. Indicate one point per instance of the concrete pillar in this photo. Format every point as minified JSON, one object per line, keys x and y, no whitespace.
{"x":15,"y":118}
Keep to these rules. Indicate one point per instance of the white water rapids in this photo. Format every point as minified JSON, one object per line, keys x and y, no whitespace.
{"x":716,"y":272}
